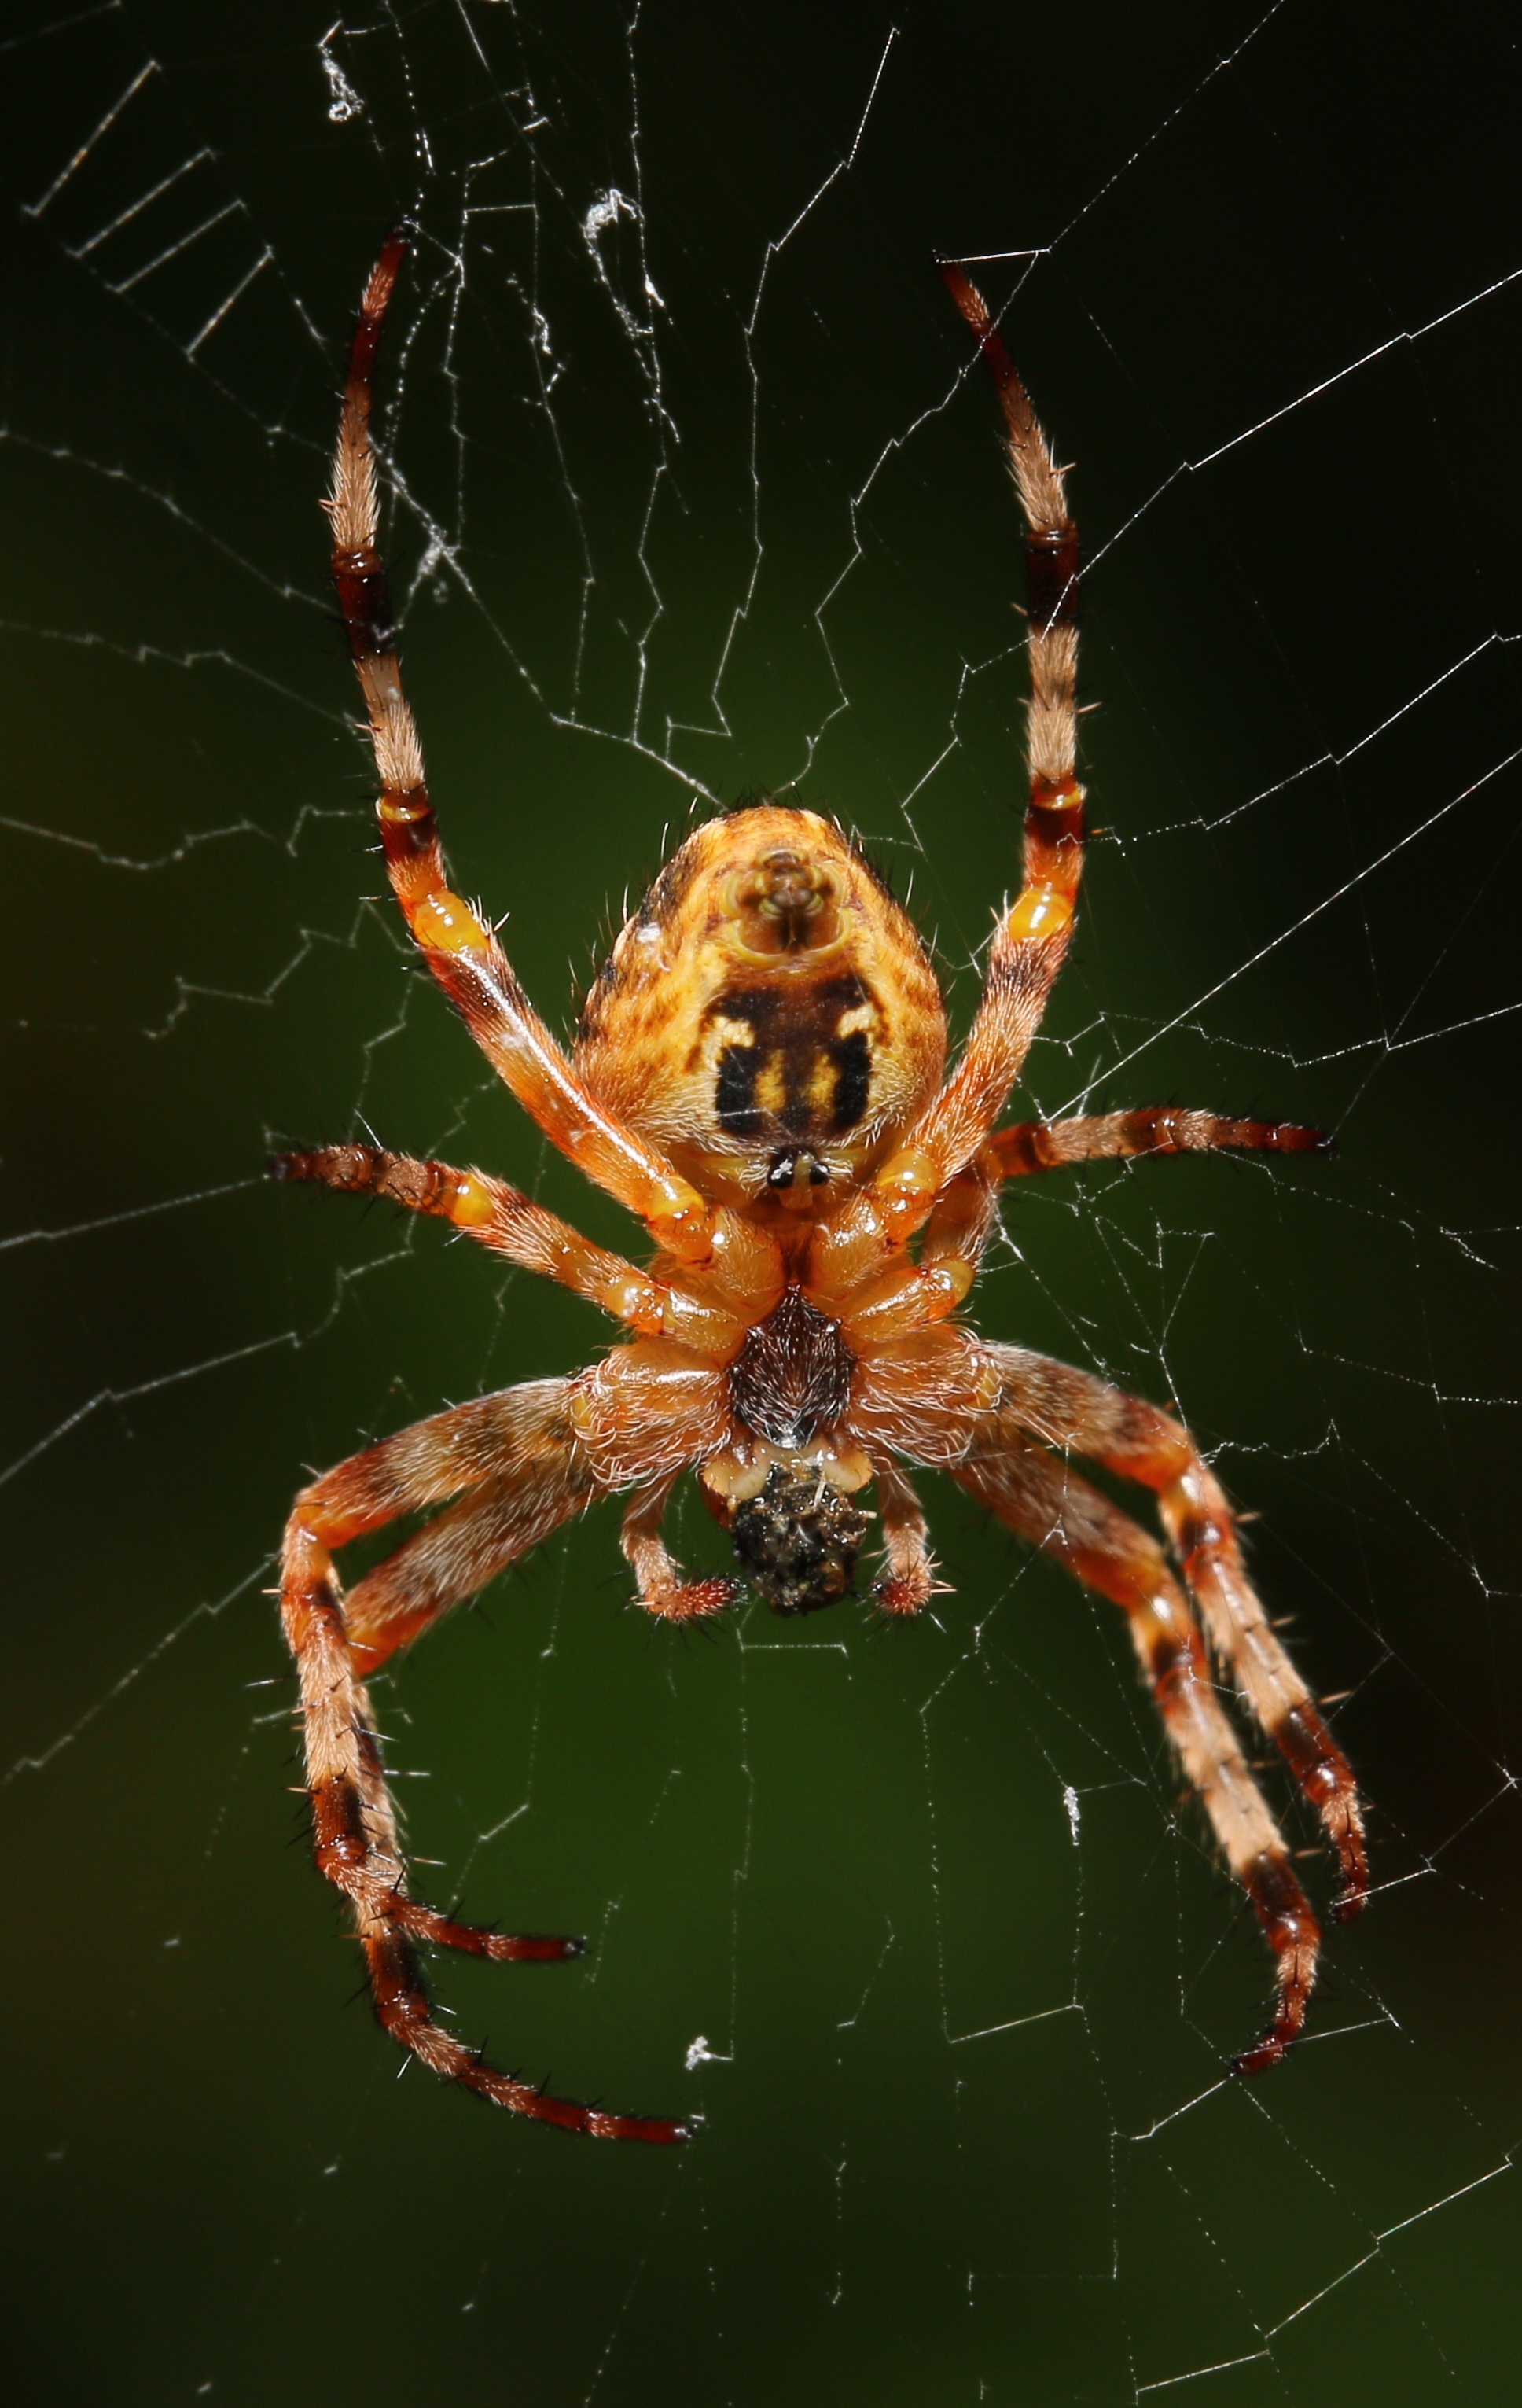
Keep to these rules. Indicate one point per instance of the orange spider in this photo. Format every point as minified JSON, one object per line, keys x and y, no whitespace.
{"x":759,"y":1077}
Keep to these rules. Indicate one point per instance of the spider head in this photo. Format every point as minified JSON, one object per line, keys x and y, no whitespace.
{"x":769,"y":997}
{"x":793,"y":1518}
{"x":798,"y":1540}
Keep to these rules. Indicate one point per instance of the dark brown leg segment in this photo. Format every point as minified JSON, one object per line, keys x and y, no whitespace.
{"x":358,"y":1848}
{"x":458,"y":948}
{"x":1050,"y":1505}
{"x":1072,"y":1410}
{"x":1158,"y":1128}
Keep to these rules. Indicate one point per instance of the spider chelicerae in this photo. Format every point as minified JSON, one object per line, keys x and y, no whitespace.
{"x":759,"y":1076}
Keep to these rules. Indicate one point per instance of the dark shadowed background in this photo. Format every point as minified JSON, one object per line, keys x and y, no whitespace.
{"x":696,"y":497}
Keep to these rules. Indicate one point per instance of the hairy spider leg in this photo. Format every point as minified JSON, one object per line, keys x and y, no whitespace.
{"x":663,"y":1589}
{"x":334,"y":1643}
{"x":509,"y":1223}
{"x":1154,"y":1129}
{"x":909,"y":1295}
{"x":1043,"y":1502}
{"x":1031,"y":937}
{"x":1066,"y":1408}
{"x":463,"y":1548}
{"x":908,"y":1582}
{"x":457,"y":947}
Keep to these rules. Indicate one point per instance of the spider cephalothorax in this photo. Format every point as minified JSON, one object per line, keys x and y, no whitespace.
{"x":759,"y":1078}
{"x":796,"y":1532}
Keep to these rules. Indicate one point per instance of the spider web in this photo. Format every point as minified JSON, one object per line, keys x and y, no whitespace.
{"x":693,"y":493}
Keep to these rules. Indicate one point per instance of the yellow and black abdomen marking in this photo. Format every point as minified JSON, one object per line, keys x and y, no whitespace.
{"x":795,"y":1060}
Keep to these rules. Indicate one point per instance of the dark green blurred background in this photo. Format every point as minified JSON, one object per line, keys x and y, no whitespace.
{"x":966,"y":2137}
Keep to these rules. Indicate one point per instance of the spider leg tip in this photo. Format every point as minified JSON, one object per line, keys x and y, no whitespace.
{"x":1257,"y":2060}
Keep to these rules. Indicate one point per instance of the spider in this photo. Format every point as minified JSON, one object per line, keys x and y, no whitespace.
{"x":759,"y":1077}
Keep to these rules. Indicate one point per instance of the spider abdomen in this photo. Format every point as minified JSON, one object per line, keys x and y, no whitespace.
{"x":793,"y":1061}
{"x":768,"y":997}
